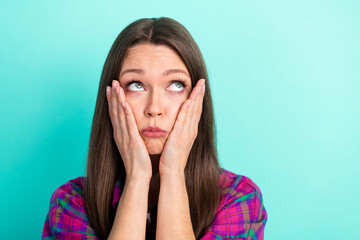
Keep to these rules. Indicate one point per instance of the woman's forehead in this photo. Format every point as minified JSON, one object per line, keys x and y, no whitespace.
{"x":147,"y":57}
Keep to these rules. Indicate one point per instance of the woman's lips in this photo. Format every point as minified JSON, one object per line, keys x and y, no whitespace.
{"x":153,"y":132}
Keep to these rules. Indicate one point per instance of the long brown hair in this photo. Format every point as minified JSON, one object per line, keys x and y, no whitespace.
{"x":104,"y":163}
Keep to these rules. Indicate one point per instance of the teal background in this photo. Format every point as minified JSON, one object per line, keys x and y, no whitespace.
{"x":286,"y":89}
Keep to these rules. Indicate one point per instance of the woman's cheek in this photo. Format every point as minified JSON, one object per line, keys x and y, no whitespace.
{"x":134,"y":98}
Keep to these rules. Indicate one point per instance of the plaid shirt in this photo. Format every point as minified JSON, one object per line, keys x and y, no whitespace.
{"x":240,"y":215}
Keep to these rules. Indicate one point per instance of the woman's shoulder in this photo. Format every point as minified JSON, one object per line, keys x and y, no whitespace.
{"x":241,"y":213}
{"x":67,"y":213}
{"x":72,"y":189}
{"x":230,"y":182}
{"x":242,"y":193}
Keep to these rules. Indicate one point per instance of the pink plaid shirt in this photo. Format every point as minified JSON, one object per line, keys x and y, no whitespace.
{"x":241,"y":213}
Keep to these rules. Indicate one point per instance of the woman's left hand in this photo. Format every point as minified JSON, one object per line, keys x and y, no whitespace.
{"x":180,"y":141}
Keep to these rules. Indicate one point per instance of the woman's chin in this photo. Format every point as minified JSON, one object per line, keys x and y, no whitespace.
{"x":154,"y":148}
{"x":154,"y":151}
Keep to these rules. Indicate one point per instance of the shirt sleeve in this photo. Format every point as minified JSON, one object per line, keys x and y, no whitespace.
{"x":241,"y":214}
{"x":67,"y":218}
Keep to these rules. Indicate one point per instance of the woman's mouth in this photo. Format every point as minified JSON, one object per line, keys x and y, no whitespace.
{"x":153,"y":132}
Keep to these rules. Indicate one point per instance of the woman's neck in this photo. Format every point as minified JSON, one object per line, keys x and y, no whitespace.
{"x":154,"y":187}
{"x":155,"y":159}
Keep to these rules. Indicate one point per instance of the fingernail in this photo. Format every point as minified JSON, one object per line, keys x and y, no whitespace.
{"x":113,"y":83}
{"x":107,"y":91}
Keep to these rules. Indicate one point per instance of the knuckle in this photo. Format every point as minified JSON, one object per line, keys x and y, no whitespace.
{"x":114,"y":112}
{"x":127,"y":113}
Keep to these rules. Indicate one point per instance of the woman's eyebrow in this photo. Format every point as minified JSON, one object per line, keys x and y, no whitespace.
{"x":165,"y":73}
{"x":170,"y":71}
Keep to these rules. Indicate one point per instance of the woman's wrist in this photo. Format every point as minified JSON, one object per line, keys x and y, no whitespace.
{"x":137,"y":180}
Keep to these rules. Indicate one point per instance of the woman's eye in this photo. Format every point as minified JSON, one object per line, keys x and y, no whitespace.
{"x":178,"y":85}
{"x":136,"y":84}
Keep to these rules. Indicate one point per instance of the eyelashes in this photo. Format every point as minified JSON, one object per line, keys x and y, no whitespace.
{"x":179,"y":80}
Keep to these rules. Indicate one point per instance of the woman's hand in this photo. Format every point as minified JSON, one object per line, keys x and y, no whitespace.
{"x":128,"y":140}
{"x":179,"y":143}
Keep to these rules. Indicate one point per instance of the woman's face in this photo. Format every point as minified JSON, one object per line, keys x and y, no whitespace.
{"x":157,"y":93}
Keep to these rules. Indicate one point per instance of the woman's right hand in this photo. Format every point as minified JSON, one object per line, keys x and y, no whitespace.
{"x":126,"y":135}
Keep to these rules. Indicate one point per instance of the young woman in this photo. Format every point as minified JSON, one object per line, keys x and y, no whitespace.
{"x":152,"y":166}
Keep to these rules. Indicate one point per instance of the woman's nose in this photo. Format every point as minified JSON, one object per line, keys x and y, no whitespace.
{"x":154,"y":106}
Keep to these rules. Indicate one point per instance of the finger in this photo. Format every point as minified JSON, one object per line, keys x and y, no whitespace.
{"x":181,"y":117}
{"x":196,"y":88}
{"x":121,"y":116}
{"x":194,"y":94}
{"x":197,"y":106}
{"x":113,"y":111}
{"x":198,"y":94}
{"x":187,"y":105}
{"x":130,"y":119}
{"x":195,"y":115}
